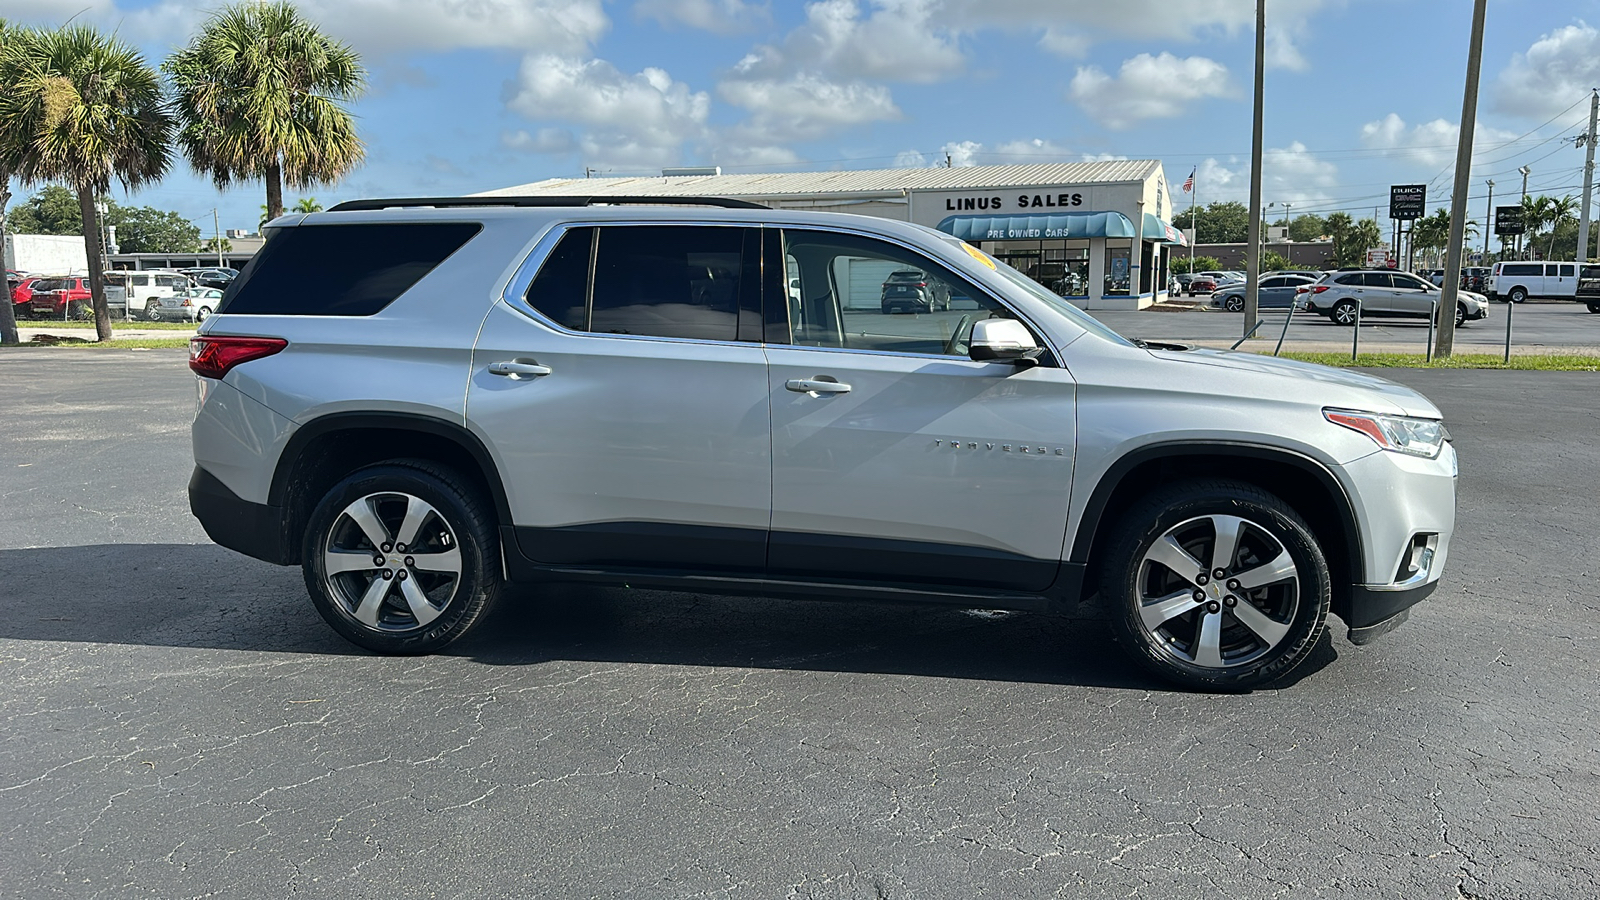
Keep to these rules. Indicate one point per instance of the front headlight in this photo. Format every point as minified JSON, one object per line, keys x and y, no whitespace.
{"x":1401,"y":434}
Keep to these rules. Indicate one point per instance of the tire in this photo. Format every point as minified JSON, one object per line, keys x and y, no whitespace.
{"x":1517,"y":295}
{"x":201,"y":314}
{"x":420,"y":608}
{"x":152,"y":310}
{"x":1233,"y":304}
{"x":1594,"y":307}
{"x":1344,"y":312}
{"x":1461,"y":315}
{"x":1151,"y":576}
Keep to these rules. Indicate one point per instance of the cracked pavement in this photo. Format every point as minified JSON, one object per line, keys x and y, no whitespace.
{"x":178,"y":722}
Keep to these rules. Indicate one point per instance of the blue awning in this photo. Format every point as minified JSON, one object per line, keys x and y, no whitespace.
{"x":1026,"y":228}
{"x":1062,"y":225}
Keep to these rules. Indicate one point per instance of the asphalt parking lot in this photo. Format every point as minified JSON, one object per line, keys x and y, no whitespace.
{"x":1536,"y":327}
{"x":178,"y":722}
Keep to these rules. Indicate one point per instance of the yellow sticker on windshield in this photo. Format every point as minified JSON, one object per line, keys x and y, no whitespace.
{"x":977,"y":254}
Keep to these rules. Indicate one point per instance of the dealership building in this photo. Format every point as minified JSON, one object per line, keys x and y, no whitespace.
{"x":1098,"y":233}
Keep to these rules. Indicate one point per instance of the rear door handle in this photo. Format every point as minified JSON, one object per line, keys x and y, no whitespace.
{"x":819,"y":385}
{"x":518,"y":369}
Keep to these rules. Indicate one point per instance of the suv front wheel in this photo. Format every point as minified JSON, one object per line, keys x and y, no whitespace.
{"x":1216,"y":585}
{"x":401,"y":558}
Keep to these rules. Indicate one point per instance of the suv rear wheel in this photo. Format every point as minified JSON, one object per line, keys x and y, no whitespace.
{"x":401,"y":558}
{"x":1216,"y":585}
{"x":1517,"y":295}
{"x":1344,"y":312}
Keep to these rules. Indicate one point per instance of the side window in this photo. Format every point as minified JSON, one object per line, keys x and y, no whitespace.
{"x":671,"y":281}
{"x":1274,"y":282}
{"x":306,"y":270}
{"x":1568,"y":270}
{"x":1376,"y":279}
{"x":1353,"y":279}
{"x":863,"y":294}
{"x":561,"y":289}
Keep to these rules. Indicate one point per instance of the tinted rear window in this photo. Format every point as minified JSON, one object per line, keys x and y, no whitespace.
{"x":342,"y":270}
{"x":1522,"y":269}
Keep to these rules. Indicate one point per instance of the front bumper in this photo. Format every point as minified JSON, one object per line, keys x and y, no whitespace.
{"x":1405,"y":508}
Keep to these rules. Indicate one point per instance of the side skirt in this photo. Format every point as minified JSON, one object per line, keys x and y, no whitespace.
{"x":1063,"y":596}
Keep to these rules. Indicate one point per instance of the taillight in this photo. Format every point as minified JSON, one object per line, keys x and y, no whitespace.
{"x":213,"y":356}
{"x":1317,"y":289}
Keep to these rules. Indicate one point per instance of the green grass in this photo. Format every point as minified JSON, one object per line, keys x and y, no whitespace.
{"x":116,"y":324}
{"x":172,"y":343}
{"x":1533,"y":362}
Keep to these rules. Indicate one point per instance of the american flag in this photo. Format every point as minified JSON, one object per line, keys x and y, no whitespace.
{"x":1188,"y":183}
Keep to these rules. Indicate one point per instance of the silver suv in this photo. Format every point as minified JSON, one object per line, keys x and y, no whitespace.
{"x":1383,"y":293}
{"x":709,"y":396}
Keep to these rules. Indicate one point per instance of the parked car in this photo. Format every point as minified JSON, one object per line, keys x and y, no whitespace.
{"x":1474,"y":278}
{"x":218,"y":277}
{"x":1223,"y":277}
{"x":1518,"y":281}
{"x":1202,"y":284}
{"x":63,"y":297}
{"x":189,"y":305}
{"x":148,"y":287}
{"x":449,"y":411}
{"x":1386,"y":294}
{"x":22,"y":296}
{"x":1276,"y":292}
{"x":1589,"y":287}
{"x":1180,"y":283}
{"x":912,"y":291}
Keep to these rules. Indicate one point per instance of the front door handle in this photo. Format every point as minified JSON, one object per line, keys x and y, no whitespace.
{"x":518,"y":369}
{"x":822,"y":384}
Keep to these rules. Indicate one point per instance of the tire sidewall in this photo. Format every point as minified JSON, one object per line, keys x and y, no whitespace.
{"x":1161,"y":511}
{"x":464,"y":514}
{"x":1335,"y":314}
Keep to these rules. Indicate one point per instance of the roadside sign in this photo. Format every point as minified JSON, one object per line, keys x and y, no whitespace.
{"x":1508,"y":220}
{"x":1408,"y":201}
{"x":1377,"y":257}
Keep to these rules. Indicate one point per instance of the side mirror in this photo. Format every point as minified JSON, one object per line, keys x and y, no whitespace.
{"x":1001,"y":340}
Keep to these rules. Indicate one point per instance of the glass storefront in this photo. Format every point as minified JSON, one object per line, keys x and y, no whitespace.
{"x":1062,"y":266}
{"x":1119,"y":259}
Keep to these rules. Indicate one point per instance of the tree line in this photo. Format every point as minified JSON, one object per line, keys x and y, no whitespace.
{"x":259,"y":93}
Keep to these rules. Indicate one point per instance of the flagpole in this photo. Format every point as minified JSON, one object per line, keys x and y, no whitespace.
{"x":1194,"y":195}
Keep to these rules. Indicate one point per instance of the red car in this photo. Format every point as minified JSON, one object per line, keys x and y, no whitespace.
{"x":51,"y":296}
{"x":1201,"y":284}
{"x":22,"y":296}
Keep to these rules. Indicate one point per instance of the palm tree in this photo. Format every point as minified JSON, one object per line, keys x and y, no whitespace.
{"x":84,"y":108}
{"x":1560,"y":212}
{"x":8,"y":318}
{"x":259,"y":94}
{"x":307,"y":205}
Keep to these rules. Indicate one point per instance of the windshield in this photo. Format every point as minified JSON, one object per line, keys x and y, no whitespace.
{"x":1050,"y":298}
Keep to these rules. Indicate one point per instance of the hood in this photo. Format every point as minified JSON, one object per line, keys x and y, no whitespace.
{"x":1342,"y":387}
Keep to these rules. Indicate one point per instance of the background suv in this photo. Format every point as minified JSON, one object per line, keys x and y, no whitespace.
{"x":695,"y":398}
{"x":913,"y":291}
{"x":1383,"y":293}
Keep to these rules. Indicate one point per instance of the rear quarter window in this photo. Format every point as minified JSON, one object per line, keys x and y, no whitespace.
{"x":342,"y":270}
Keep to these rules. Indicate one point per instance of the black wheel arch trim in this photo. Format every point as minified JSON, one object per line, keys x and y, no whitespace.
{"x":393,"y":421}
{"x":1094,"y":510}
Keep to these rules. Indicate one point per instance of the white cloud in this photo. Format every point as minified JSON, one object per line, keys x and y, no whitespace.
{"x":1291,"y":175}
{"x":1556,"y":70}
{"x":1065,"y":43}
{"x":370,"y":26}
{"x":899,"y":41}
{"x":805,"y":106}
{"x":1147,"y":87}
{"x":1430,"y":143}
{"x":716,"y":16}
{"x":910,"y":159}
{"x":547,"y":140}
{"x":641,"y":119}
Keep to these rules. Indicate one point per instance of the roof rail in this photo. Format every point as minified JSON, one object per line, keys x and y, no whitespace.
{"x":592,"y":200}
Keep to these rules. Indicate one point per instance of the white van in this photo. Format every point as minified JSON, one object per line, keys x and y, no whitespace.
{"x":147,"y":287}
{"x":1517,"y":281}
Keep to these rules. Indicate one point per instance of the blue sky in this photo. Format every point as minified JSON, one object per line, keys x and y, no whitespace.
{"x":469,"y":95}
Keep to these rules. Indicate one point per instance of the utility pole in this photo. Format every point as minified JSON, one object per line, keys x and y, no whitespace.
{"x":1522,"y":204}
{"x":1252,"y":260}
{"x":1588,"y":177}
{"x":216,"y":232}
{"x":1446,"y":338}
{"x":1488,"y":211}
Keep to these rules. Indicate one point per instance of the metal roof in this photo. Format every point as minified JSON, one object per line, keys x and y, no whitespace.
{"x":868,"y":183}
